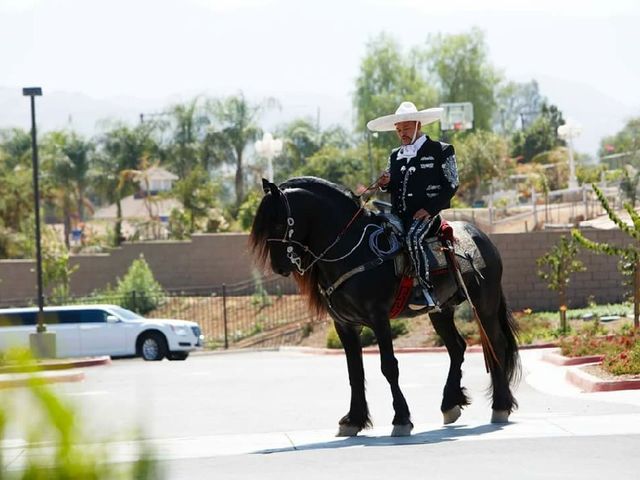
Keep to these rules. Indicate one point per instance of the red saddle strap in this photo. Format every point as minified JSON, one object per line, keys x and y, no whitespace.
{"x":402,"y":296}
{"x":446,"y":231}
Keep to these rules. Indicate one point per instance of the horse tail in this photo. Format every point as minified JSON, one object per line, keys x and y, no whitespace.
{"x":509,"y":327}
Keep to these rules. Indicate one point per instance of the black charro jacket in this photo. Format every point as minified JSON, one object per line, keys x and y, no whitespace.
{"x":427,"y":180}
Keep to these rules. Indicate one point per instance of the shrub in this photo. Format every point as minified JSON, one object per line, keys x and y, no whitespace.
{"x":626,"y":362}
{"x":367,"y":337}
{"x":138,"y":289}
{"x":589,"y":344}
{"x":248,"y":209}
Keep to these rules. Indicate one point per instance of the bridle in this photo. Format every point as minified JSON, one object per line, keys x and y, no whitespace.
{"x":288,"y":240}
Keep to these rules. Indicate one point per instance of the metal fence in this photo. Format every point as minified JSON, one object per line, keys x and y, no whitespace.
{"x":264,"y":311}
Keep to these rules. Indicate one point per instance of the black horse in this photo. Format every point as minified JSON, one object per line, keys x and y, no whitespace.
{"x":317,"y":231}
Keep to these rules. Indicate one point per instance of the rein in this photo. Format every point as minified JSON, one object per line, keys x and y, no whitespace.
{"x":288,"y":236}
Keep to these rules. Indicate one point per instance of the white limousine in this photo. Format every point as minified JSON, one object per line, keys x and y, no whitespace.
{"x":89,"y":330}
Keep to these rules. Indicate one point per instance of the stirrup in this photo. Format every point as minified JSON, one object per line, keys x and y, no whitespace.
{"x":430,"y":302}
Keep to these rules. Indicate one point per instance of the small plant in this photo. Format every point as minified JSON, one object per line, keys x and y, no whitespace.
{"x":367,"y":336}
{"x":260,"y":298}
{"x":56,"y":269}
{"x":561,"y":263}
{"x":138,"y":289}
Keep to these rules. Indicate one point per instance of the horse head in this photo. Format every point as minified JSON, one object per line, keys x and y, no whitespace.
{"x":272,"y":233}
{"x":296,"y":221}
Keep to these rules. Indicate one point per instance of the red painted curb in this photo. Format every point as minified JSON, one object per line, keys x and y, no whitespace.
{"x":25,"y":379}
{"x":60,"y":364}
{"x":589,"y":383}
{"x":561,"y":360}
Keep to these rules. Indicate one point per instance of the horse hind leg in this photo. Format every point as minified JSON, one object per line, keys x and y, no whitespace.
{"x":501,"y":329}
{"x":357,"y":418}
{"x":454,"y":398}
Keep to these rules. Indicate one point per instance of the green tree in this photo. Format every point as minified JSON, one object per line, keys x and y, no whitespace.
{"x":197,"y":193}
{"x":248,"y":209}
{"x":541,"y":136}
{"x":15,"y":148}
{"x":344,"y":167}
{"x":517,"y":104}
{"x":234,"y":129}
{"x":482,"y":156}
{"x":560,"y":263}
{"x":121,"y":148}
{"x":387,"y":77}
{"x":629,"y":256}
{"x":65,"y":165}
{"x":626,"y":141}
{"x":629,"y":184}
{"x":460,"y":68}
{"x":16,"y":194}
{"x":188,"y":148}
{"x":302,"y":139}
{"x":56,"y":267}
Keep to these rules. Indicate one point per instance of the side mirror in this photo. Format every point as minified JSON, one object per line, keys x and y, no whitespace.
{"x":112,"y":319}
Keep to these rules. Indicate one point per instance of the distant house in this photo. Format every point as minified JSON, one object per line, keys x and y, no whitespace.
{"x":146,"y":204}
{"x":155,"y":180}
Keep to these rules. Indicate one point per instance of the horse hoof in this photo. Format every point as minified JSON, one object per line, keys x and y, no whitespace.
{"x":347,"y":431}
{"x":452,"y":414}
{"x":402,"y":430}
{"x":500,"y":416}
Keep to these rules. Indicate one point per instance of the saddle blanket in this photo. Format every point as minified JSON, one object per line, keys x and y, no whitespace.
{"x":465,"y":249}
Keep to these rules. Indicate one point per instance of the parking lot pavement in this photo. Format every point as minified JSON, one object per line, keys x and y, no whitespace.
{"x":278,"y":411}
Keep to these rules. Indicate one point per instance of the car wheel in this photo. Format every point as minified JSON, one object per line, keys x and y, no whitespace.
{"x":153,"y":346}
{"x":178,"y":355}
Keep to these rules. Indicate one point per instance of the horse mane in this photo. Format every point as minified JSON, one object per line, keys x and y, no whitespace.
{"x":307,"y":283}
{"x":321,"y":186}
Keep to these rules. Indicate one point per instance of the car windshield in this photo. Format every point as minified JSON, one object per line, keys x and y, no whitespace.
{"x":125,"y":314}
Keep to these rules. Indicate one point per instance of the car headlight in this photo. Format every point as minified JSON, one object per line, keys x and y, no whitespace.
{"x":179,"y":330}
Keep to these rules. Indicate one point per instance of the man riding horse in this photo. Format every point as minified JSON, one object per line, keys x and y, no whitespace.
{"x":422,"y":177}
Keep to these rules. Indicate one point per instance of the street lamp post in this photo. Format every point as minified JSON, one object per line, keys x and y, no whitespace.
{"x":568,"y":132}
{"x":42,"y":343}
{"x":269,"y":148}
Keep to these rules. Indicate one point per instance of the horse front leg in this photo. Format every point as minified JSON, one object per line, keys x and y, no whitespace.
{"x":402,"y":425}
{"x":453,"y":396}
{"x":357,"y":418}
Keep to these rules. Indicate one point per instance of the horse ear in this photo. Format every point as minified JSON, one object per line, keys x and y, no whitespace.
{"x":268,"y":187}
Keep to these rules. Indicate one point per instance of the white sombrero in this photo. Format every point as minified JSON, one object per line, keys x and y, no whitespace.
{"x":406,"y":112}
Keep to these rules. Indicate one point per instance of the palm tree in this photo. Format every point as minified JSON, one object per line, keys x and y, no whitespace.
{"x":234,"y":129}
{"x":121,"y":148}
{"x":69,"y":157}
{"x":189,"y":123}
{"x":196,"y":192}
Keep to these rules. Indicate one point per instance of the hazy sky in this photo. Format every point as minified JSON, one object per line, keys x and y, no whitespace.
{"x":310,"y":51}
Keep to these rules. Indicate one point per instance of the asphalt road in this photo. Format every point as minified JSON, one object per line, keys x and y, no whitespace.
{"x":274,"y":414}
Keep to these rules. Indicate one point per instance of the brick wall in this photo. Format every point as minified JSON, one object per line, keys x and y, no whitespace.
{"x":213,"y":259}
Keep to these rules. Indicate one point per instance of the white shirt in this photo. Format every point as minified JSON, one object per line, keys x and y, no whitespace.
{"x":409,"y":151}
